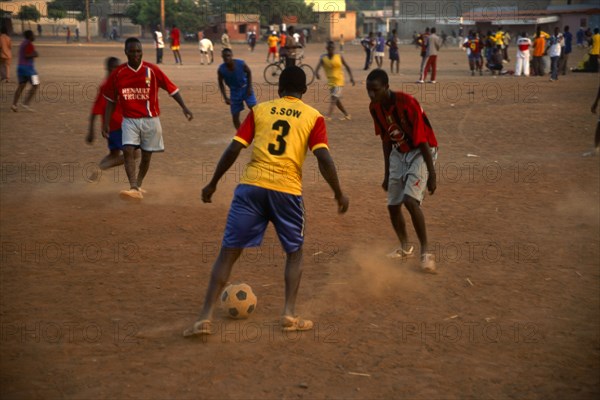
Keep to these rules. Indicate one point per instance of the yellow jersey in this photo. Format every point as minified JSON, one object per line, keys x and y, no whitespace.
{"x":272,"y":41}
{"x":281,"y":131}
{"x":333,"y":69}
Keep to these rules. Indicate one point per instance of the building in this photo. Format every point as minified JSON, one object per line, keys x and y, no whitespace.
{"x":237,"y":26}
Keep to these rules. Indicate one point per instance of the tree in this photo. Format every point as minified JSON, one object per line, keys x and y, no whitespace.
{"x":270,"y":11}
{"x":56,"y":11}
{"x":28,"y":13}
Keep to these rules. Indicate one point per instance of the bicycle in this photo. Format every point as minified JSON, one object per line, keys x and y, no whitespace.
{"x":273,"y":70}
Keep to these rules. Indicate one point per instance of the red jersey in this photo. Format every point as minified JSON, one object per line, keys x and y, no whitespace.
{"x":474,"y":45}
{"x":175,"y":35}
{"x":137,"y":90}
{"x":100,"y":106}
{"x":408,"y":117}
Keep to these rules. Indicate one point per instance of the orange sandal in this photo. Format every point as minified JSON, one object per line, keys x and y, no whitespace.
{"x":199,"y":328}
{"x":290,"y":324}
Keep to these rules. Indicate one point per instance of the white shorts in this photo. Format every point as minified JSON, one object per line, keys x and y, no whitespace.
{"x":145,"y":133}
{"x":379,"y":54}
{"x":408,"y":175}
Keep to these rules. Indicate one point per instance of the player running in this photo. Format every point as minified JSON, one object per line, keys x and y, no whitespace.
{"x":409,"y":151}
{"x":237,"y":76}
{"x":332,"y":63}
{"x":134,"y":85}
{"x":271,"y":190}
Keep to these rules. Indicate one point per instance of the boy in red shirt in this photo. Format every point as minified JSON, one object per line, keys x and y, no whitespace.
{"x":409,"y":150}
{"x":115,"y":140}
{"x":175,"y":44}
{"x":134,"y":86}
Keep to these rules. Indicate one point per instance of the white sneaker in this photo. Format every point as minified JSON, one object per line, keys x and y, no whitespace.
{"x":420,"y":81}
{"x":401,"y":253}
{"x":428,"y":263}
{"x":431,"y":82}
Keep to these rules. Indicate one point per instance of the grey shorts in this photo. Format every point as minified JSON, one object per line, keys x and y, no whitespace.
{"x":145,"y":133}
{"x":335,"y":91}
{"x":408,"y":175}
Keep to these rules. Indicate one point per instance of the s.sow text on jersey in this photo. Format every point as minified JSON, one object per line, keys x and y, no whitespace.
{"x":286,"y":111}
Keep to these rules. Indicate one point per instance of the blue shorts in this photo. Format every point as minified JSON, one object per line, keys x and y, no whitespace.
{"x":238,"y":97}
{"x":251,"y":210}
{"x":27,"y":73}
{"x":115,"y":140}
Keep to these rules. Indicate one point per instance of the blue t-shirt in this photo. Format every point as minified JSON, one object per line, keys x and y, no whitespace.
{"x":235,"y":79}
{"x":568,"y":37}
{"x":380,"y":44}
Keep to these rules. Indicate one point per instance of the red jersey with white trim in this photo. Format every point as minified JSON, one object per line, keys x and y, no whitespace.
{"x":282,"y":131}
{"x":137,"y":90}
{"x":524,"y":44}
{"x":407,"y":116}
{"x":100,"y":106}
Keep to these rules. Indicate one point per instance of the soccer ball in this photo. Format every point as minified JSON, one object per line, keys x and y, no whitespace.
{"x":238,"y":301}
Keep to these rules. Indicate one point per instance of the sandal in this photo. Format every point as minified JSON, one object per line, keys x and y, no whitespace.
{"x":290,"y":324}
{"x":199,"y":328}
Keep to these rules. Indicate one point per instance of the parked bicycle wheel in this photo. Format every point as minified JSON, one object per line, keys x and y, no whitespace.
{"x":310,"y":73}
{"x":271,"y":74}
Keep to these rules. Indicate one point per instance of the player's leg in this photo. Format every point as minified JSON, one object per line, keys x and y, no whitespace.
{"x":245,"y":227}
{"x":131,"y":140}
{"x":115,"y":147}
{"x":418,"y":220}
{"x":144,"y":166}
{"x":395,"y":195}
{"x":236,"y":106}
{"x":293,"y":276}
{"x":17,"y":95}
{"x":179,"y":55}
{"x":30,"y":95}
{"x":219,"y":276}
{"x":415,"y":177}
{"x":399,"y":225}
{"x":287,"y":215}
{"x":129,"y":161}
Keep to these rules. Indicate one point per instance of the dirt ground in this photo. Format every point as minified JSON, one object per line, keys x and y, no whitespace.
{"x":95,"y":291}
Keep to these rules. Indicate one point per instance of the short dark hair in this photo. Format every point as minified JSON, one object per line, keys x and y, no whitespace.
{"x":225,"y":50}
{"x":28,"y":34}
{"x":111,"y":62}
{"x":379,"y":75}
{"x":292,"y":79}
{"x":132,"y":40}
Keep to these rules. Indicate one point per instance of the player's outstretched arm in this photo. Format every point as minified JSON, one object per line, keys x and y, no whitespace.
{"x":229,"y":156}
{"x":431,"y":179}
{"x":327,"y":169}
{"x":110,"y":108}
{"x":349,"y":71}
{"x":188,"y":114}
{"x":318,"y":68}
{"x":90,"y":136}
{"x":386,"y":146}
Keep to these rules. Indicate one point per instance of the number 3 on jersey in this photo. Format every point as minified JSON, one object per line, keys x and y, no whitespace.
{"x":283,"y":127}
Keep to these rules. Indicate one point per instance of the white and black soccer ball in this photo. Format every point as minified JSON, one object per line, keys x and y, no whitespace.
{"x":238,"y":301}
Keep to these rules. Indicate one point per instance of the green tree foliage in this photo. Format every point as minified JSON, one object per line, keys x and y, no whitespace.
{"x":191,"y":15}
{"x":56,"y":11}
{"x":270,"y":11}
{"x":29,"y":13}
{"x":188,"y":15}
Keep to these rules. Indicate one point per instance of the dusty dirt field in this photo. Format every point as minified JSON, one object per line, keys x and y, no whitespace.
{"x":95,"y":291}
